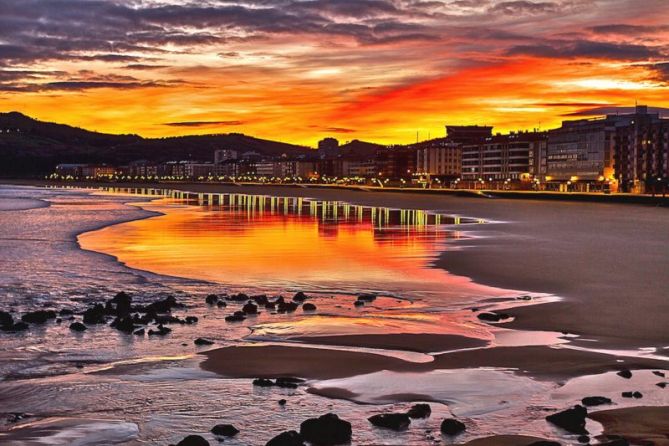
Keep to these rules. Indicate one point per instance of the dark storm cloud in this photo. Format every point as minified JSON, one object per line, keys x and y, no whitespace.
{"x":587,"y":49}
{"x":202,"y":123}
{"x":662,"y":71}
{"x":628,"y":30}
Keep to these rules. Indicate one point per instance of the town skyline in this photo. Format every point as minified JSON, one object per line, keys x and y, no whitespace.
{"x":298,"y":71}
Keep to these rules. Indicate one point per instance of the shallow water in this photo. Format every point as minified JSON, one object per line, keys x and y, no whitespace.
{"x":191,"y":245}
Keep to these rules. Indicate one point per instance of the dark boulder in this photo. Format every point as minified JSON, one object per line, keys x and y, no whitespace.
{"x":583,"y":439}
{"x":95,"y":315}
{"x":326,"y":430}
{"x":309,"y":307}
{"x":625,"y":374}
{"x":595,"y":400}
{"x":657,"y":373}
{"x":492,"y":317}
{"x":263,"y":382}
{"x":300,"y":297}
{"x":66,"y":312}
{"x":139,"y":332}
{"x":572,"y":420}
{"x":211,"y":299}
{"x":366,"y":297}
{"x":634,"y":394}
{"x":395,"y":421}
{"x":202,"y":341}
{"x":250,"y":308}
{"x":224,"y":430}
{"x":451,"y":426}
{"x":19,"y":326}
{"x":240,"y":297}
{"x":288,"y":382}
{"x":161,"y":331}
{"x":221,"y":304}
{"x":6,"y":319}
{"x":124,"y":324}
{"x":260,"y":299}
{"x":38,"y":317}
{"x":164,"y":306}
{"x":359,"y":303}
{"x":77,"y":326}
{"x":191,"y":320}
{"x":282,"y":402}
{"x":234,"y":318}
{"x":289,"y":438}
{"x":420,"y":411}
{"x":661,"y":385}
{"x":193,"y":440}
{"x":122,"y":303}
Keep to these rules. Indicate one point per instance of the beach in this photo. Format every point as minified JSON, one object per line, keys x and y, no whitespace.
{"x":580,"y":284}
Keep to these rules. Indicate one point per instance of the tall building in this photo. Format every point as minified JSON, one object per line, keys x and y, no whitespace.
{"x":642,"y":152}
{"x":467,"y":134}
{"x":512,"y":157}
{"x":439,"y":157}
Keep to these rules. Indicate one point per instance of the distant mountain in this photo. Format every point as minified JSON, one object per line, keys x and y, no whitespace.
{"x":359,"y":149}
{"x":32,"y":147}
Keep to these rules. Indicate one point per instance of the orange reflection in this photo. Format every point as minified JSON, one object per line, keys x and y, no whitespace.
{"x":278,"y":243}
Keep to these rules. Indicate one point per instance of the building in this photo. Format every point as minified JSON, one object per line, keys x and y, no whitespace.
{"x":222,"y":155}
{"x":71,"y":170}
{"x":505,"y":159}
{"x":97,"y":170}
{"x":641,"y":155}
{"x":467,"y":134}
{"x":439,"y":158}
{"x":143,"y":168}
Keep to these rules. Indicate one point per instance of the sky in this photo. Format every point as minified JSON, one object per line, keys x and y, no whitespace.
{"x":387,"y":71}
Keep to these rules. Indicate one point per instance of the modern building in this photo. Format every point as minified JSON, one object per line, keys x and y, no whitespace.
{"x":467,"y":134}
{"x":439,"y":158}
{"x":642,"y":153}
{"x":510,"y":158}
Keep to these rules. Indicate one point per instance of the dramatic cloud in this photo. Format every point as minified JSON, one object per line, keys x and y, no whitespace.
{"x":303,"y":69}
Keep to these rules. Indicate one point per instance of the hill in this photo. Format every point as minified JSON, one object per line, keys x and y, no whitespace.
{"x":32,"y":147}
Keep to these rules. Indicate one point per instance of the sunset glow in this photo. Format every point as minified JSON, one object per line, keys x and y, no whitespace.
{"x":297,"y":71}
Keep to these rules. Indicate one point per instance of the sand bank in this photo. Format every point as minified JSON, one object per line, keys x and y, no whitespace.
{"x":318,"y":363}
{"x":645,"y":425}
{"x":422,"y":343}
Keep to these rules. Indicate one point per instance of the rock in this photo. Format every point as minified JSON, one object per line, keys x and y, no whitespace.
{"x":359,"y":303}
{"x":492,"y":317}
{"x":78,"y":326}
{"x":656,"y":373}
{"x":161,"y":331}
{"x":309,"y":307}
{"x":282,"y":402}
{"x":193,"y":440}
{"x":583,"y":439}
{"x":326,"y":430}
{"x":634,"y":394}
{"x":221,"y":304}
{"x":66,"y":312}
{"x":190,"y":320}
{"x":211,"y":299}
{"x":572,"y":420}
{"x":6,"y":319}
{"x":234,"y":318}
{"x":124,"y":324}
{"x":625,"y":374}
{"x":545,"y":443}
{"x":122,"y":303}
{"x":263,"y":382}
{"x":139,"y":332}
{"x":270,"y":305}
{"x":164,"y":306}
{"x":661,"y":385}
{"x":366,"y":297}
{"x":19,"y":326}
{"x":300,"y":297}
{"x":595,"y":400}
{"x":288,"y":383}
{"x":286,"y":307}
{"x":451,"y":426}
{"x":395,"y":421}
{"x":225,"y":430}
{"x":250,"y":308}
{"x":38,"y":317}
{"x":95,"y":315}
{"x":240,"y":297}
{"x":202,"y":341}
{"x":289,"y":438}
{"x":419,"y":411}
{"x":59,"y":321}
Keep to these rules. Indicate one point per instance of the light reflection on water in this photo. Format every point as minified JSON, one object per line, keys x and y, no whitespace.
{"x":276,"y":243}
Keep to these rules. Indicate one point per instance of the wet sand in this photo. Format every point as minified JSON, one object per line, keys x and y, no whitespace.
{"x":645,"y":425}
{"x":608,"y":261}
{"x":544,"y":363}
{"x":504,"y":440}
{"x":422,"y":343}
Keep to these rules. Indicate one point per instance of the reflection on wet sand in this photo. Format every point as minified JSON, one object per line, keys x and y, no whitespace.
{"x":272,"y":243}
